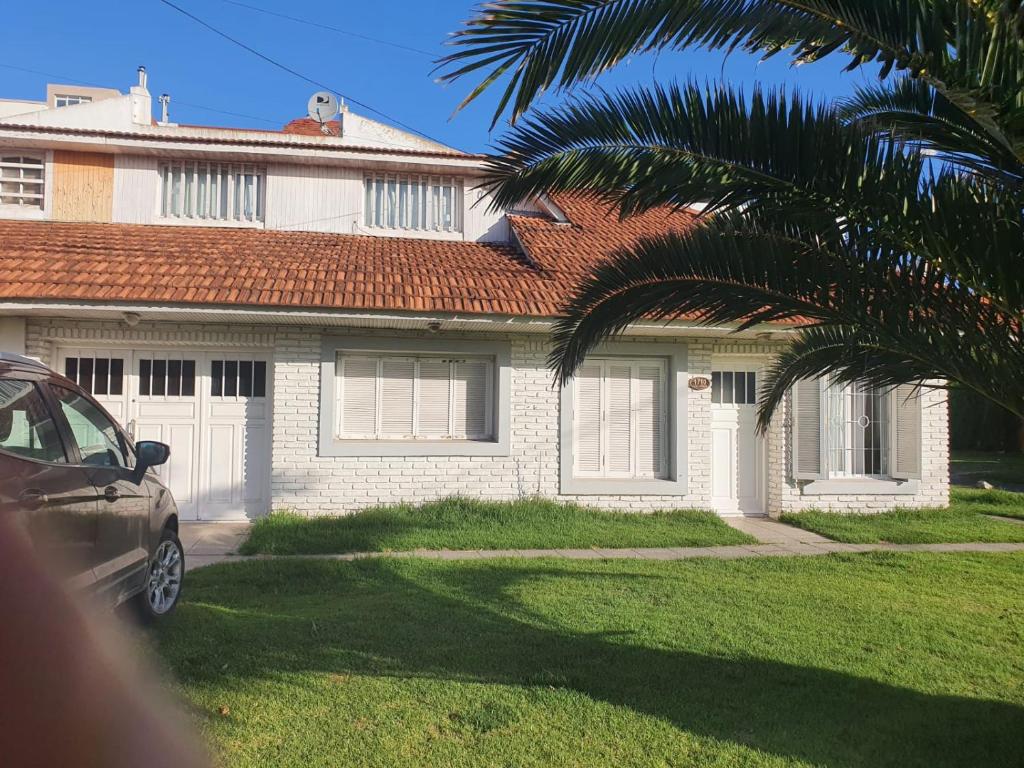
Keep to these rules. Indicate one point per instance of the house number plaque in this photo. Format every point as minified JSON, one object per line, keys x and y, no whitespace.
{"x":698,"y":383}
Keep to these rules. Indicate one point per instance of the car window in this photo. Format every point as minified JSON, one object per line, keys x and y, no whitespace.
{"x":99,"y":441}
{"x":26,"y":424}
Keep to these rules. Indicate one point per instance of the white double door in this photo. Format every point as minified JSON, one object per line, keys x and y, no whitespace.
{"x":212,"y":407}
{"x":738,"y":454}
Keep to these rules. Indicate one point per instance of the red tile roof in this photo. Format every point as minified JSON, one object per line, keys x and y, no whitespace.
{"x":307,"y":126}
{"x":594,"y":232}
{"x":225,"y":266}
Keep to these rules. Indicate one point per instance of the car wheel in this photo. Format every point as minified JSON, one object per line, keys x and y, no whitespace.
{"x":164,"y":578}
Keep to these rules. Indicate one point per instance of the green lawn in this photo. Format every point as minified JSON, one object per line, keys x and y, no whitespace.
{"x":970,"y":466}
{"x":459,"y":523}
{"x":966,"y":519}
{"x":990,"y":502}
{"x":845,"y":660}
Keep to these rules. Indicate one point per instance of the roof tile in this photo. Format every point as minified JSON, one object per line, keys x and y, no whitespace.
{"x":275,"y":269}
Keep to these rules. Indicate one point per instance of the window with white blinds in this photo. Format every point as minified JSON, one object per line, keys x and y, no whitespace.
{"x":620,"y":427}
{"x":424,"y":203}
{"x":197,"y":190}
{"x":405,"y":397}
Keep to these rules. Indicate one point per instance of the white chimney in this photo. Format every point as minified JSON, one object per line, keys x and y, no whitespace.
{"x":142,"y":103}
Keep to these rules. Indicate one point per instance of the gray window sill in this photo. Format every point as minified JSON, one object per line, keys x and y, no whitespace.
{"x":415,"y":448}
{"x":582,"y":486}
{"x":859,"y":486}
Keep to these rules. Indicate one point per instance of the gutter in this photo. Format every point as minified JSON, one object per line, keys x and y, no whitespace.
{"x":297,"y":142}
{"x":131,"y":314}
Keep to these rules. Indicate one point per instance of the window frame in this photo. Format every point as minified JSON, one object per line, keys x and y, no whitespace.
{"x":66,"y":440}
{"x":676,"y":402}
{"x":425,"y":181}
{"x":17,"y":211}
{"x":71,"y":445}
{"x":70,"y":99}
{"x":380,"y":359}
{"x":258,"y":170}
{"x":848,"y":393}
{"x":331,"y":444}
{"x":604,"y":364}
{"x":821,"y":482}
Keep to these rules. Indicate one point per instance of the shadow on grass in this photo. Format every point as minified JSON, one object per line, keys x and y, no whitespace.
{"x":263,"y":621}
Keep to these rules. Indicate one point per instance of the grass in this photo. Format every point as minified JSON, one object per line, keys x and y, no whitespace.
{"x":968,"y":467}
{"x":460,"y":523}
{"x":966,"y":519}
{"x":990,"y":501}
{"x":847,"y":660}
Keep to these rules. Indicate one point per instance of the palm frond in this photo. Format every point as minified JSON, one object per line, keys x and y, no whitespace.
{"x":852,"y":353}
{"x":743,"y":270}
{"x":675,"y":145}
{"x":539,"y":44}
{"x":911,"y":111}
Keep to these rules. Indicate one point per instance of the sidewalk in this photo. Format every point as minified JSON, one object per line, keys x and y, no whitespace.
{"x":208,"y":543}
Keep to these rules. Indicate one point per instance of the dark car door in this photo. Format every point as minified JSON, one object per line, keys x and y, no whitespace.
{"x":122,"y":499}
{"x":54,"y":499}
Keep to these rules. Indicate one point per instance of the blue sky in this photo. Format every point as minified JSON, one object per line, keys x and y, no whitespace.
{"x":103,"y":41}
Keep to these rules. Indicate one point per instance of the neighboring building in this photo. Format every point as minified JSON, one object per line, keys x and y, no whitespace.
{"x":326,"y":322}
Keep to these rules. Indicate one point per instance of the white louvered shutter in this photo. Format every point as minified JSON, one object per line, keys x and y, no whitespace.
{"x":587,"y":420}
{"x":650,"y":415}
{"x":435,"y":398}
{"x":806,"y":422}
{"x":905,"y":440}
{"x":619,"y":444}
{"x":471,"y":385}
{"x":397,"y":397}
{"x":358,"y":397}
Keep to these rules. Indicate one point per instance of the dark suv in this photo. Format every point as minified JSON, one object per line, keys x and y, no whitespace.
{"x":83,"y":491}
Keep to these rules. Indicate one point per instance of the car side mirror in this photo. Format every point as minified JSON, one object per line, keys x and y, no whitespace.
{"x":150,"y":453}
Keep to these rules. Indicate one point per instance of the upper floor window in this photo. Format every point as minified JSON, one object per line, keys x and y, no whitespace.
{"x":420,"y":203}
{"x":70,"y":99}
{"x":197,"y":190}
{"x":22,"y":180}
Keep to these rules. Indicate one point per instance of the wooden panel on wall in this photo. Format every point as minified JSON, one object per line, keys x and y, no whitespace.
{"x":83,"y":186}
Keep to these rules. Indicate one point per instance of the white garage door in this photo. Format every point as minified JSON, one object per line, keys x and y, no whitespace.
{"x":211,"y":407}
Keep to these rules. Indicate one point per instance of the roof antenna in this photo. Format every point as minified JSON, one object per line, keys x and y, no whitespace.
{"x":165,"y":103}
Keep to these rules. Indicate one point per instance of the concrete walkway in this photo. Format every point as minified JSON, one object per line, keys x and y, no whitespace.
{"x":208,"y":543}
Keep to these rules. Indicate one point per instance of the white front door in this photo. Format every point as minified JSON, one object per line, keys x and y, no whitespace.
{"x":737,"y":451}
{"x":212,"y":408}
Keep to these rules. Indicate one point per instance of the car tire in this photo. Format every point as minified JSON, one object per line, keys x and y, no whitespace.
{"x":164,"y":579}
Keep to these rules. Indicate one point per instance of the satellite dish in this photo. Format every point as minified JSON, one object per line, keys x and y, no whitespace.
{"x":323,"y":106}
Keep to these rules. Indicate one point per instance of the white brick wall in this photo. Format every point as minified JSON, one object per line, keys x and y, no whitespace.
{"x":307,"y":483}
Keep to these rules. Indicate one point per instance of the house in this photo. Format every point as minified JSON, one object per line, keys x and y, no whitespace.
{"x":323,"y":318}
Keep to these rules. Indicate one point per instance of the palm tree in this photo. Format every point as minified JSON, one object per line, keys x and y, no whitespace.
{"x":889,"y":223}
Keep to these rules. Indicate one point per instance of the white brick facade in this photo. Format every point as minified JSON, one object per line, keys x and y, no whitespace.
{"x":305,"y":482}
